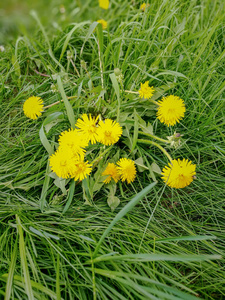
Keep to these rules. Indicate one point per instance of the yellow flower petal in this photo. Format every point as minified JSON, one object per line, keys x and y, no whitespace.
{"x":126,"y":169}
{"x":87,"y":127}
{"x":74,"y":140}
{"x":179,"y":173}
{"x":111,"y":171}
{"x":144,"y":6}
{"x":171,"y":110}
{"x":81,"y":170}
{"x":146,"y":91}
{"x":108,"y":132}
{"x":33,"y":107}
{"x":104,"y":4}
{"x":62,"y":162}
{"x":104,"y":23}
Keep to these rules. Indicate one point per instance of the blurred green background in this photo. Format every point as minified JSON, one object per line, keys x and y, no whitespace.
{"x":15,"y":18}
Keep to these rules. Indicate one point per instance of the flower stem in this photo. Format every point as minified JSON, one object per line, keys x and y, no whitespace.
{"x":133,"y":92}
{"x":154,"y":102}
{"x":97,"y":159}
{"x":130,"y":92}
{"x":57,"y":102}
{"x":157,"y":145}
{"x":154,"y":137}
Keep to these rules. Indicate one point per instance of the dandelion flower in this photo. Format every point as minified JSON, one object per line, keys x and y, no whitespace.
{"x":179,"y":173}
{"x":103,"y":22}
{"x":74,"y":140}
{"x":171,"y":110}
{"x":33,"y":107}
{"x":111,"y":171}
{"x":87,"y":127}
{"x":81,"y":170}
{"x":62,"y":162}
{"x":104,"y":4}
{"x":126,"y":169}
{"x":108,"y":132}
{"x":144,"y":6}
{"x":146,"y":91}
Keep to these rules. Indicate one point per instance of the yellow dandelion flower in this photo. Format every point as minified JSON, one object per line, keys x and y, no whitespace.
{"x":103,"y":22}
{"x":144,"y":6}
{"x":146,"y":91}
{"x":74,"y":140}
{"x":111,"y":171}
{"x":104,"y":4}
{"x":81,"y":170}
{"x":33,"y":107}
{"x":179,"y":173}
{"x":171,"y":110}
{"x":108,"y":132}
{"x":87,"y":127}
{"x":126,"y":169}
{"x":62,"y":162}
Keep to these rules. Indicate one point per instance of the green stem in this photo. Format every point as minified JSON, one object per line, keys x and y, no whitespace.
{"x":57,"y":102}
{"x":131,"y":92}
{"x":157,"y":145}
{"x":97,"y":159}
{"x":154,"y":137}
{"x":154,"y":102}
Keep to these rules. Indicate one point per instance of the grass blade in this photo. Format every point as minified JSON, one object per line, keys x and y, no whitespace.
{"x":123,"y":212}
{"x":68,"y":106}
{"x":157,"y":257}
{"x":69,"y":196}
{"x":8,"y":289}
{"x":23,"y":259}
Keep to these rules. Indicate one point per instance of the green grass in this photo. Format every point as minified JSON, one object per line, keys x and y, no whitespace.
{"x":171,"y":244}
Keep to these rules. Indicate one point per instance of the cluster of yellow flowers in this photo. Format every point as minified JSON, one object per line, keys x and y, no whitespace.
{"x":104,"y":4}
{"x":124,"y":170}
{"x":68,"y":160}
{"x":171,"y":109}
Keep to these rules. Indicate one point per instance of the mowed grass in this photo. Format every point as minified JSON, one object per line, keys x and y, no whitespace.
{"x":171,"y":244}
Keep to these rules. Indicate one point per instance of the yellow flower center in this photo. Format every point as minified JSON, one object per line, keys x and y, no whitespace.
{"x":63,"y":163}
{"x":91,"y":128}
{"x":108,"y":134}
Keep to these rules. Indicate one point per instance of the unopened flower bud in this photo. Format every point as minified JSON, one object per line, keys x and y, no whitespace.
{"x":117,"y":72}
{"x":69,"y":55}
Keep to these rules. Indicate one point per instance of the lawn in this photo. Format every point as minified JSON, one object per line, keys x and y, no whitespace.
{"x":134,"y":234}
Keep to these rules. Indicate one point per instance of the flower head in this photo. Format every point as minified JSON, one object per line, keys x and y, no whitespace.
{"x":108,"y":132}
{"x":33,"y":107}
{"x":179,"y":173}
{"x":103,"y":22}
{"x":62,"y":162}
{"x":146,"y":91}
{"x":74,"y":140}
{"x":144,"y":6}
{"x":81,"y":170}
{"x":112,"y":172}
{"x":104,"y":4}
{"x":126,"y":169}
{"x":87,"y":127}
{"x":171,"y":110}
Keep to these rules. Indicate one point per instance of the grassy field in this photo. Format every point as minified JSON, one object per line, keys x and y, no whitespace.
{"x":61,"y":240}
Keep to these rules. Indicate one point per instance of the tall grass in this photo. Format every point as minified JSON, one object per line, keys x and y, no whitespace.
{"x":171,"y":244}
